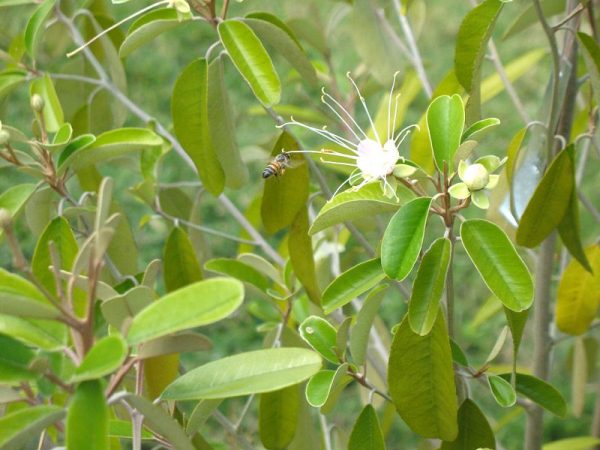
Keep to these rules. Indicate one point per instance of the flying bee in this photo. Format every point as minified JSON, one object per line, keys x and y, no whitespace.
{"x":278,"y":165}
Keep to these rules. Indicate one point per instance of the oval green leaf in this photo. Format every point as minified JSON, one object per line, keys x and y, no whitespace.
{"x":321,"y":336}
{"x":278,"y":417}
{"x":239,"y":270}
{"x":147,"y":27}
{"x":35,"y":26}
{"x":245,"y":374}
{"x":428,"y":287}
{"x":445,"y":122}
{"x":366,"y":433}
{"x":195,"y":305}
{"x":87,"y":420}
{"x":52,"y":111}
{"x":502,"y":390}
{"x":578,"y":443}
{"x":578,"y":296}
{"x":104,"y":357}
{"x":275,"y":33}
{"x":112,"y":144}
{"x":541,"y":392}
{"x":180,"y":264}
{"x":474,"y":431}
{"x":189,"y":108}
{"x":18,"y":427}
{"x":284,"y":197}
{"x":359,"y":336}
{"x":351,"y":205}
{"x":353,"y":282}
{"x":403,"y":238}
{"x":251,"y":60}
{"x":549,"y":202}
{"x":421,"y":380}
{"x":498,"y":263}
{"x":221,"y":123}
{"x":14,"y":199}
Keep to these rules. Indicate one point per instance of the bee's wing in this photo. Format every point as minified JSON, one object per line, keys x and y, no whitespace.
{"x":294,"y":163}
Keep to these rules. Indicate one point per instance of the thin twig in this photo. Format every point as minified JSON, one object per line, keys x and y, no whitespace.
{"x":417,"y":61}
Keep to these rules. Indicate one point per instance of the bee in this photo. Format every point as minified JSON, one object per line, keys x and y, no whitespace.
{"x":277,"y":165}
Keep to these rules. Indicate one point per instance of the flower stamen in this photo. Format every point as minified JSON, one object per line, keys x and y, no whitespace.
{"x":339,"y":105}
{"x":364,"y":103}
{"x":391,"y":129}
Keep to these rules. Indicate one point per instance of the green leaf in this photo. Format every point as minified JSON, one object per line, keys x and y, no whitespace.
{"x":275,"y":33}
{"x":421,"y":381}
{"x":221,"y":123}
{"x":502,"y":390}
{"x":14,"y":199}
{"x":529,"y":17}
{"x":104,"y":358}
{"x":458,"y":356}
{"x":239,"y":270}
{"x":359,"y":337}
{"x":195,"y":305}
{"x":353,"y":282}
{"x":87,"y":420}
{"x":160,"y":422}
{"x":251,"y":60}
{"x":445,"y":122}
{"x":578,"y":443}
{"x":473,"y":35}
{"x":540,"y":392}
{"x":351,"y":205}
{"x":479,"y":127}
{"x":403,"y":238}
{"x":549,"y":202}
{"x":189,"y":108}
{"x":321,"y":336}
{"x":248,"y":373}
{"x":284,"y":197}
{"x":578,"y":296}
{"x":10,"y":80}
{"x":179,"y":343}
{"x":300,"y":249}
{"x":52,"y":112}
{"x":324,"y":387}
{"x":516,"y":323}
{"x":123,"y":429}
{"x":147,"y":27}
{"x":591,"y":56}
{"x":59,"y":233}
{"x":112,"y":144}
{"x":474,"y":431}
{"x":119,"y":311}
{"x":278,"y":417}
{"x":498,"y":263}
{"x":569,"y":227}
{"x":180,"y":264}
{"x":18,"y":427}
{"x":18,"y":297}
{"x":15,"y":360}
{"x":201,"y":414}
{"x":428,"y":287}
{"x":366,"y":433}
{"x":35,"y":26}
{"x":512,"y":153}
{"x":35,"y":333}
{"x":381,"y":51}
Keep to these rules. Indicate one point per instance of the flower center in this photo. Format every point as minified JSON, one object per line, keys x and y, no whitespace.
{"x":375,"y":161}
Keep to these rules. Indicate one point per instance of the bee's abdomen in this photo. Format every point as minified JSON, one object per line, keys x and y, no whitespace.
{"x":269,"y":171}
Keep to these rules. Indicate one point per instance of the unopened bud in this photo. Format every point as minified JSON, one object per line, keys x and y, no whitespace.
{"x":37,"y":103}
{"x":476,"y":177}
{"x":4,"y":137}
{"x":5,"y":218}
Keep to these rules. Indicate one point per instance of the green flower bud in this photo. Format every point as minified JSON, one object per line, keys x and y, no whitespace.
{"x":4,"y":137}
{"x":476,"y":177}
{"x":5,"y":218}
{"x":37,"y":103}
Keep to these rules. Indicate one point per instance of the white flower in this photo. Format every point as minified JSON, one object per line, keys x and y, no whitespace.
{"x":374,"y":159}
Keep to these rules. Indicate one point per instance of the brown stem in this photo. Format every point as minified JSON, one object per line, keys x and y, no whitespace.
{"x":118,"y":377}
